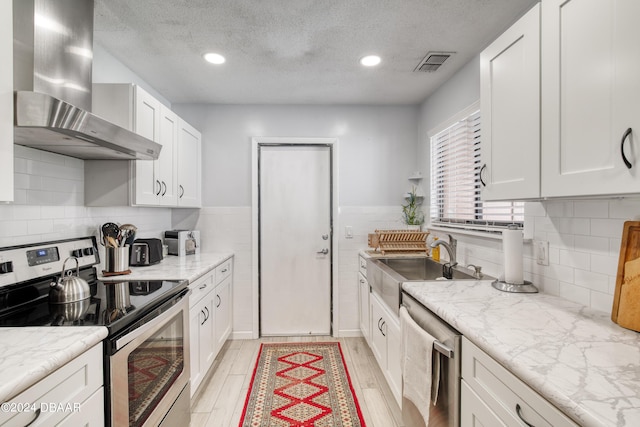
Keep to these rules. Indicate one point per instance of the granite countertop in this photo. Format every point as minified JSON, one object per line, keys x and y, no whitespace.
{"x":29,"y":354}
{"x":575,"y":357}
{"x":189,"y":267}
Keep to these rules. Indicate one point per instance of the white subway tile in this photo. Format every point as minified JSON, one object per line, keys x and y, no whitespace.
{"x":40,"y":226}
{"x":7,"y":212}
{"x":594,"y":281}
{"x":575,"y":293}
{"x":606,"y":227}
{"x":559,"y":209}
{"x":575,"y":226}
{"x":627,"y":209}
{"x":604,"y":264}
{"x":27,"y":213}
{"x":601,"y":301}
{"x":591,"y":244}
{"x":39,"y":197}
{"x":591,"y":209}
{"x":13,"y":228}
{"x":534,"y":209}
{"x":575,"y":259}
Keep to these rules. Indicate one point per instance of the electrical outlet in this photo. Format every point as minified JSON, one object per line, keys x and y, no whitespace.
{"x":348,"y":232}
{"x":541,"y":248}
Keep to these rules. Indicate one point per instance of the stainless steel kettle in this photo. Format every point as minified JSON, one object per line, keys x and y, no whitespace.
{"x":69,"y":288}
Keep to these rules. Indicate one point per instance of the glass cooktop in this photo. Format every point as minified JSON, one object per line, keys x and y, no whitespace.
{"x":112,"y":304}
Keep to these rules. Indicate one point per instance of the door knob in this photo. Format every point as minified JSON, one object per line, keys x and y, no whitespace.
{"x":324,"y":251}
{"x":325,"y":237}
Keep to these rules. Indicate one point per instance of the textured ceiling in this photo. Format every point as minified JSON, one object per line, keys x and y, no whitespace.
{"x":297,"y":51}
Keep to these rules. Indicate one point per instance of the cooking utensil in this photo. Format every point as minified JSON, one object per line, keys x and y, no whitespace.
{"x":111,"y":242}
{"x":128,"y":233}
{"x":69,"y":288}
{"x":109,"y":229}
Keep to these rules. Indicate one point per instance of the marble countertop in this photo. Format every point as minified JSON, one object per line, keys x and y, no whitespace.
{"x":189,"y":267}
{"x":575,"y":357}
{"x":29,"y":354}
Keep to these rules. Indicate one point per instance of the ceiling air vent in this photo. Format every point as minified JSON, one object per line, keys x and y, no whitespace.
{"x":433,"y":61}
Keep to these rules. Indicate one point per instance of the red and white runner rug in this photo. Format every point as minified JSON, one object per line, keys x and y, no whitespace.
{"x":301,"y":385}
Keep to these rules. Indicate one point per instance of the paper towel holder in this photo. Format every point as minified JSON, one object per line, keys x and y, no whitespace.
{"x":524,"y":288}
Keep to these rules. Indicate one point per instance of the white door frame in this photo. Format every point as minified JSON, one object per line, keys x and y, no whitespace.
{"x":256,"y":142}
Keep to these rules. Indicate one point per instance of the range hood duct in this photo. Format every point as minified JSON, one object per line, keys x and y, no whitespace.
{"x":52,"y":64}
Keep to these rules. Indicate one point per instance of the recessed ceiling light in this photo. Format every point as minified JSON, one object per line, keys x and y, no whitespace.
{"x":214,"y":58}
{"x":370,"y":60}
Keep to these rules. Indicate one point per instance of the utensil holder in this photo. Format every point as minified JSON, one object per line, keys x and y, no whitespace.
{"x":116,"y":259}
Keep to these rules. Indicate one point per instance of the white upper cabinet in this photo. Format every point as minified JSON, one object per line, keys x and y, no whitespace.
{"x":159,"y":182}
{"x":6,"y":102}
{"x":510,"y":112}
{"x":189,"y":166}
{"x":590,"y":92}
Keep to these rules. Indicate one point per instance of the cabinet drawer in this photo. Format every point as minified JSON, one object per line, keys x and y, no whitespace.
{"x":510,"y":398}
{"x":224,"y":270}
{"x":362,"y":262}
{"x":200,"y":288}
{"x":58,"y":395}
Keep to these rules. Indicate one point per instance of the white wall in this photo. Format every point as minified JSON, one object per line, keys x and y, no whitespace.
{"x":107,"y":69}
{"x":376,"y":148}
{"x":376,"y":154}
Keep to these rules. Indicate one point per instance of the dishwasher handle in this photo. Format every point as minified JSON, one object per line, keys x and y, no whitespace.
{"x":443,"y":349}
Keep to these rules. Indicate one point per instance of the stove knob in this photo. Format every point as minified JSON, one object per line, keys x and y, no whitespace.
{"x":76,"y":253}
{"x":88,"y":251}
{"x":6,"y":267}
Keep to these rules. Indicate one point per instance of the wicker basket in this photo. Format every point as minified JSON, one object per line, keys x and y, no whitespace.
{"x":399,"y":241}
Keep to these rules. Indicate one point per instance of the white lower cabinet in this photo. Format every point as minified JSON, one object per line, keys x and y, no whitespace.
{"x":385,"y":344}
{"x":493,"y":396}
{"x":222,"y":310}
{"x":363,"y":303}
{"x":210,"y":317}
{"x":474,"y":412}
{"x":72,"y":395}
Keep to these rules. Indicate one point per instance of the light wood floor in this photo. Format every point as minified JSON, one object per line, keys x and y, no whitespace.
{"x":220,"y":399}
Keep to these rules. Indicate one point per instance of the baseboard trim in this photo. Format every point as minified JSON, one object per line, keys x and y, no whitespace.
{"x":349,"y":333}
{"x":241,"y":335}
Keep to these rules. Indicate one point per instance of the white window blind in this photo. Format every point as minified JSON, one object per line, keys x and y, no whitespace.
{"x":455,"y":181}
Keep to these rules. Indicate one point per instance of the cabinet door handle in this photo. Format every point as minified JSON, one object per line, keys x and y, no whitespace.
{"x":205,"y":317}
{"x":203,"y":286}
{"x":181,"y":191}
{"x":624,"y":158}
{"x":484,"y":184}
{"x":223,"y":270}
{"x":36,"y":417}
{"x":159,"y":187}
{"x":208,"y":314}
{"x":519,"y":412}
{"x":164,"y":186}
{"x":362,"y":281}
{"x":219,"y":301}
{"x":381,"y":329}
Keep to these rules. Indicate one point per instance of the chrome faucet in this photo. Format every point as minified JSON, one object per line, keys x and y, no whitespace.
{"x":451,"y":248}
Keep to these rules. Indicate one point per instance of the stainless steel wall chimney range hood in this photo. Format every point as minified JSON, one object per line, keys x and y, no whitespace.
{"x":52,"y":60}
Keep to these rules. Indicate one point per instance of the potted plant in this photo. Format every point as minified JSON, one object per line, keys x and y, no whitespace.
{"x":412,"y":215}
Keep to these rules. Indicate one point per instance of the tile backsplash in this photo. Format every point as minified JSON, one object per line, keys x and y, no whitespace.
{"x":584,"y":244}
{"x":49,"y":203}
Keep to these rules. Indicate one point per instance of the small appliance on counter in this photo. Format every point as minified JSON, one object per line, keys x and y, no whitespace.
{"x":182,"y":242}
{"x":145,"y":252}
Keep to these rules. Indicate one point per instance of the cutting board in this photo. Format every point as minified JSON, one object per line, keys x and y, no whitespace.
{"x":626,"y":299}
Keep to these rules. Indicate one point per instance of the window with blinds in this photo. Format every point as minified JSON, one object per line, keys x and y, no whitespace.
{"x":455,"y":181}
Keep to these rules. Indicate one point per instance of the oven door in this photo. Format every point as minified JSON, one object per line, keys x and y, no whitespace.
{"x":149,"y":367}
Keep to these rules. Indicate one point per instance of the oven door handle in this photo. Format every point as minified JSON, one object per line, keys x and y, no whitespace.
{"x":121,"y":342}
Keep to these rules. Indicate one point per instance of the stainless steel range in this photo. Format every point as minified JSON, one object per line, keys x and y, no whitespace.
{"x":146,"y":320}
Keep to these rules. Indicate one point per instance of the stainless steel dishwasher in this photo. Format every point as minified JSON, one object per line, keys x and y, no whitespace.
{"x":446,"y":412}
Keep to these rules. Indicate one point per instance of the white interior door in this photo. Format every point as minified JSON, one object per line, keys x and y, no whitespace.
{"x":295,"y":239}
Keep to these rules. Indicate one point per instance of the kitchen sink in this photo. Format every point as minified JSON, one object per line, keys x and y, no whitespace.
{"x":386,"y":275}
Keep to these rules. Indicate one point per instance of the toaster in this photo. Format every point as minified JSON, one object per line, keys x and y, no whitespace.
{"x":182,"y":242}
{"x":145,"y":252}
